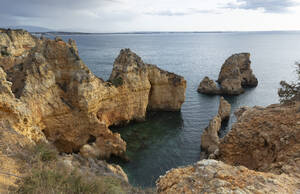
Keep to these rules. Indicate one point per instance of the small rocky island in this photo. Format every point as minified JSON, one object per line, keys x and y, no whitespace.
{"x":235,"y":75}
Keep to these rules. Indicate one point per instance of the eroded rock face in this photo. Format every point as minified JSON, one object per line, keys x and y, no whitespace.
{"x":166,"y":89}
{"x":265,"y":139}
{"x":70,"y":104}
{"x":211,"y":176}
{"x":235,"y":75}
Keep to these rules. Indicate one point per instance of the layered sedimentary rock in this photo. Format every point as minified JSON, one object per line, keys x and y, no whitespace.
{"x":235,"y":75}
{"x":210,"y":139}
{"x":211,"y":176}
{"x":61,"y":97}
{"x":260,"y":154}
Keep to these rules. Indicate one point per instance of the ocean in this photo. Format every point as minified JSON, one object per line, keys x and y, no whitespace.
{"x":171,"y":139}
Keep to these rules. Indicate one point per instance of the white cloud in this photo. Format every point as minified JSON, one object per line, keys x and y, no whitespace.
{"x":155,"y":15}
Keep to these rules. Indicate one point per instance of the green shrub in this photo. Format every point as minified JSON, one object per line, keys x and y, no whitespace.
{"x":290,"y":91}
{"x":45,"y":152}
{"x":40,"y":152}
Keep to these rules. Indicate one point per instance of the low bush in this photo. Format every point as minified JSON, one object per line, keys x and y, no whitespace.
{"x":43,"y":174}
{"x":290,"y":91}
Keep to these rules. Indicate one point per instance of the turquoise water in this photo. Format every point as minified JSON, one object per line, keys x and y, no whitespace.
{"x":167,"y":139}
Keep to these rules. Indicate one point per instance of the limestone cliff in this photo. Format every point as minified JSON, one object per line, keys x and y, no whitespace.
{"x":235,"y":75}
{"x":69,"y":104}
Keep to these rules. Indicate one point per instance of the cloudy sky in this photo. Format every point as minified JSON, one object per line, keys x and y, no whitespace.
{"x":152,"y":15}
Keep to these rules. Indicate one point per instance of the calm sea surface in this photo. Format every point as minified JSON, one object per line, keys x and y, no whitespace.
{"x":167,"y":140}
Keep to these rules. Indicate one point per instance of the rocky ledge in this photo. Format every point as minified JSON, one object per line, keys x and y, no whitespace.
{"x":47,"y":92}
{"x":259,"y":155}
{"x":210,"y":138}
{"x":235,"y":75}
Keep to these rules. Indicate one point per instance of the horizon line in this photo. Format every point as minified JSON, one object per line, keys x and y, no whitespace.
{"x":156,"y":32}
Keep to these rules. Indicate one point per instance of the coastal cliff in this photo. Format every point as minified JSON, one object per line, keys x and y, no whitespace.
{"x":259,"y":155}
{"x":72,"y":106}
{"x":47,"y":94}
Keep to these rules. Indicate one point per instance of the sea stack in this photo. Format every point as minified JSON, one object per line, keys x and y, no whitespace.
{"x":235,"y":75}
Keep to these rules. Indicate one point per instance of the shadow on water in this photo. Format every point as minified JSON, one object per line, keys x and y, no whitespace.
{"x":151,"y":142}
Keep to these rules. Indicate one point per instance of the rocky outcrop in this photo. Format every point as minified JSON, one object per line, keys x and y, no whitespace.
{"x":235,"y":75}
{"x":260,"y":155}
{"x":54,"y":92}
{"x":224,"y":109}
{"x":211,"y":176}
{"x":208,"y":86}
{"x":210,"y":138}
{"x":265,"y":139}
{"x":238,"y":67}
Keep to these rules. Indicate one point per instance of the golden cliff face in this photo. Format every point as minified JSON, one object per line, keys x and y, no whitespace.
{"x":72,"y":106}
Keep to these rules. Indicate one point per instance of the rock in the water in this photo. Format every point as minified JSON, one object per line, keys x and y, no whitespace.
{"x":211,"y":176}
{"x":210,"y":139}
{"x":50,"y":90}
{"x":235,"y":75}
{"x":208,"y":86}
{"x":224,"y":109}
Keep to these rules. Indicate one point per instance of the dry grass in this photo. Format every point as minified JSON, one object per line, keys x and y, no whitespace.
{"x":44,"y":175}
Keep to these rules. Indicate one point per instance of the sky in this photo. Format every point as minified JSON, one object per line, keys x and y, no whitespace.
{"x":154,"y":15}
